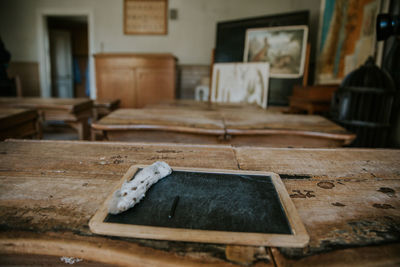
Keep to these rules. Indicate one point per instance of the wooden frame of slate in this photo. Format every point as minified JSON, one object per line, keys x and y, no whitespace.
{"x":198,"y":193}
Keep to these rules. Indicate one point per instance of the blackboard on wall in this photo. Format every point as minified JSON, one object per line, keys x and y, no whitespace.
{"x":216,"y":206}
{"x":230,"y":42}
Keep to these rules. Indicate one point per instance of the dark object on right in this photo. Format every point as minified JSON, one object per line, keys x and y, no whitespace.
{"x":363,"y":105}
{"x":387,"y":25}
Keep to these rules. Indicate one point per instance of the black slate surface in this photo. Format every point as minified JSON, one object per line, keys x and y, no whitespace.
{"x":210,"y":201}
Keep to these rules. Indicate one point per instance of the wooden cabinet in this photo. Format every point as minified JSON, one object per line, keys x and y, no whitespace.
{"x":136,"y":79}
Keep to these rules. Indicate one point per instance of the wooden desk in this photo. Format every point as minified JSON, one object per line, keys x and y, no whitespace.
{"x":348,"y":200}
{"x":162,"y":125}
{"x":185,"y":104}
{"x":19,"y":123}
{"x":275,"y":129}
{"x":204,"y":123}
{"x":74,"y":111}
{"x":103,"y":107}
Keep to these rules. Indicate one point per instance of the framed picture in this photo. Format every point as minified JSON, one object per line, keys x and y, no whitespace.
{"x":346,"y":38}
{"x":284,"y":48}
{"x":240,"y":83}
{"x":145,"y":16}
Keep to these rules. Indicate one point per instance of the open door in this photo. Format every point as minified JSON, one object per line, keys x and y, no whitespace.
{"x":61,"y":64}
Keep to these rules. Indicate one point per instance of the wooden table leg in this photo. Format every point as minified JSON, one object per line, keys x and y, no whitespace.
{"x":95,"y":114}
{"x":40,"y":124}
{"x":82,"y":126}
{"x":92,"y":135}
{"x":39,"y":130}
{"x":96,"y":135}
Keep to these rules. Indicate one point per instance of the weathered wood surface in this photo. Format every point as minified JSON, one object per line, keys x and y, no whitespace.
{"x":384,"y":255}
{"x":162,"y":119}
{"x":53,"y":189}
{"x":69,"y":104}
{"x":346,"y":198}
{"x":263,"y":120}
{"x":237,"y":124}
{"x":249,"y":117}
{"x":74,"y":111}
{"x":158,"y":135}
{"x":202,"y":105}
{"x":19,"y":123}
{"x":277,"y":129}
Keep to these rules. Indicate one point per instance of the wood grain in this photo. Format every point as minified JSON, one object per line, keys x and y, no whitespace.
{"x":69,"y":104}
{"x":348,"y":199}
{"x":19,"y":123}
{"x":264,"y":120}
{"x":184,"y":104}
{"x":237,"y":124}
{"x":74,"y":111}
{"x":135,"y":79}
{"x":384,"y":255}
{"x":158,"y":134}
{"x":96,"y":249}
{"x":162,"y":119}
{"x":57,"y":187}
{"x":344,"y":197}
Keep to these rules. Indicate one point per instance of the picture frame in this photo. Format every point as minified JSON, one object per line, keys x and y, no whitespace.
{"x":240,"y":83}
{"x":346,"y":38}
{"x":284,"y":48}
{"x":146,"y":17}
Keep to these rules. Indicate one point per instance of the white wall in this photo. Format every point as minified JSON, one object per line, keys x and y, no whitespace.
{"x":191,"y":38}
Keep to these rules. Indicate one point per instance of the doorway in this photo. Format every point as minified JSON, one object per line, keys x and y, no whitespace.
{"x":69,"y":56}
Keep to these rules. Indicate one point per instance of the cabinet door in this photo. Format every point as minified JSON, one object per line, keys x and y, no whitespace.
{"x":154,"y":86}
{"x":117,"y":83}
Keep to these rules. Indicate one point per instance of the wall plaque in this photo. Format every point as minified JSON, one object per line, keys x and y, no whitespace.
{"x":145,"y":16}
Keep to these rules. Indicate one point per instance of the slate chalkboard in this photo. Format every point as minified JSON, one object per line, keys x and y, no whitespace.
{"x":210,"y":201}
{"x":215,"y":206}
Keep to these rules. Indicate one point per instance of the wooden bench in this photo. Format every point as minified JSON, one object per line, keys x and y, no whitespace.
{"x":74,"y":111}
{"x":19,"y":123}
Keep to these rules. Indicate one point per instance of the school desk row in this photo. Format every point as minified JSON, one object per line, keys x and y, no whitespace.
{"x":178,"y":122}
{"x":22,"y":117}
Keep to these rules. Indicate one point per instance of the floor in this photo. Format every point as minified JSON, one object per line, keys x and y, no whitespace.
{"x":58,"y":131}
